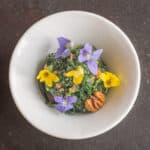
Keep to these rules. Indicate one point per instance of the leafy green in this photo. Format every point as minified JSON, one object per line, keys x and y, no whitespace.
{"x":89,"y":85}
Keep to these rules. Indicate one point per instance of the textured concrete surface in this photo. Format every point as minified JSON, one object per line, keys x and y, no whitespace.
{"x":133,"y":16}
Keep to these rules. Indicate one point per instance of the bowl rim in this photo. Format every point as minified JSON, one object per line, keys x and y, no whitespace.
{"x":118,"y":120}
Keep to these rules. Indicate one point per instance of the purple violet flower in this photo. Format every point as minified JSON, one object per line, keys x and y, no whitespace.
{"x":86,"y":55}
{"x":64,"y":103}
{"x":62,"y":51}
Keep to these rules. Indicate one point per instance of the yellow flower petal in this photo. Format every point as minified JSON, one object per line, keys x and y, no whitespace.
{"x":43,"y":73}
{"x":49,"y":83}
{"x":53,"y":77}
{"x":47,"y":77}
{"x":80,"y":70}
{"x":109,"y":79}
{"x":105,"y":76}
{"x":76,"y":74}
{"x":78,"y":79}
{"x":41,"y":79}
{"x":116,"y":80}
{"x":70,"y":73}
{"x":38,"y":76}
{"x":107,"y":85}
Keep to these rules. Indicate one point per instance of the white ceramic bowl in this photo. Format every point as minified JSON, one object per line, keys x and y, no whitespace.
{"x":31,"y":50}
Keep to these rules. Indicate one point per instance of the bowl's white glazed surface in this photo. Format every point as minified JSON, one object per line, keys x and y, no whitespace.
{"x":119,"y":54}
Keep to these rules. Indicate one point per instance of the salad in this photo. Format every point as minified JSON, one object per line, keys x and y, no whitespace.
{"x":75,"y":78}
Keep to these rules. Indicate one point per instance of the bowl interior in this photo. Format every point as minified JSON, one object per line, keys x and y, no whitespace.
{"x":80,"y":27}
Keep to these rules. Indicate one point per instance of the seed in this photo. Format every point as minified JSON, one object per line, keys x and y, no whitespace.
{"x":61,"y":90}
{"x":58,"y":86}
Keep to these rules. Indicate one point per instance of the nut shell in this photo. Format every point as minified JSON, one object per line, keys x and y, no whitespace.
{"x":95,"y":102}
{"x":89,"y":105}
{"x":100,"y":96}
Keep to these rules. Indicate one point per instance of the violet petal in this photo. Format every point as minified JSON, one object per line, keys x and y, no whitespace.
{"x":62,"y":42}
{"x":82,"y":58}
{"x":58,"y":53}
{"x":62,"y":46}
{"x":96,"y":54}
{"x":71,"y":99}
{"x":58,"y":99}
{"x":93,"y":67}
{"x":88,"y":48}
{"x":84,"y":52}
{"x":68,"y":107}
{"x":60,"y":107}
{"x":65,"y":53}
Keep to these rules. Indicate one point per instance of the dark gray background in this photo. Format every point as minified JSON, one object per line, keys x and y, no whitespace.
{"x":133,"y":16}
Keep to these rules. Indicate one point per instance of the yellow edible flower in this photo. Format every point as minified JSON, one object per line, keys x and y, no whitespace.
{"x":47,"y":77}
{"x":110,"y":79}
{"x":76,"y":74}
